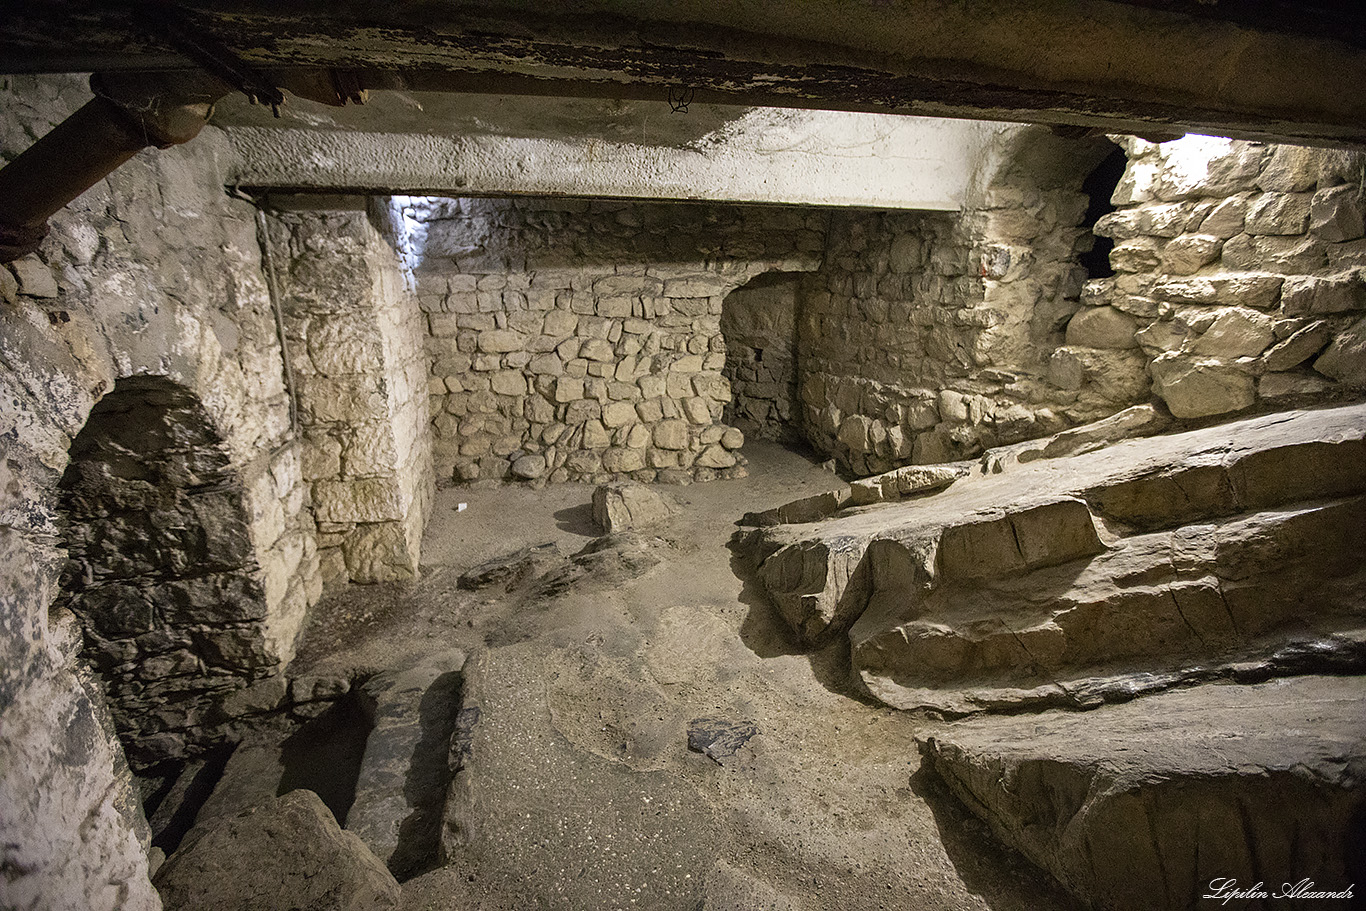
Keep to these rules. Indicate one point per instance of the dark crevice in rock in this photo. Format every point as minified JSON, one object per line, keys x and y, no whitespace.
{"x":324,"y":755}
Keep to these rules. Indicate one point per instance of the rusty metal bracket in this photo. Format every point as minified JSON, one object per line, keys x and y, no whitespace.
{"x":171,"y":24}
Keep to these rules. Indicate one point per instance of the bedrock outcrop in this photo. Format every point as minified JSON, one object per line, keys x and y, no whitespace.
{"x":1157,"y":802}
{"x":1230,"y":552}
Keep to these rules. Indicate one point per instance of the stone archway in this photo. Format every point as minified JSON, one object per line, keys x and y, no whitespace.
{"x":161,"y":570}
{"x":759,"y":325}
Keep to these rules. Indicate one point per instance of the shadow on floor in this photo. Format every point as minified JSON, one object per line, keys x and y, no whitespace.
{"x":577,"y":520}
{"x":1004,"y":878}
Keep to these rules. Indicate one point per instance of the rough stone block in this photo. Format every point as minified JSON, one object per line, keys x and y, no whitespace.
{"x":1101,"y":327}
{"x":1298,"y":347}
{"x":1158,"y":800}
{"x":625,"y":505}
{"x":1338,"y":213}
{"x":498,"y":341}
{"x":286,"y":853}
{"x":671,"y":434}
{"x":1188,"y":253}
{"x":34,"y":277}
{"x":1236,"y":333}
{"x":1304,"y":295}
{"x":1345,"y":359}
{"x":1258,"y":291}
{"x":1194,"y":388}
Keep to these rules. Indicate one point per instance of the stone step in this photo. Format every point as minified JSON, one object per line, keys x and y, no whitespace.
{"x":1155,"y":803}
{"x":1043,"y":582}
{"x":1202,"y":601}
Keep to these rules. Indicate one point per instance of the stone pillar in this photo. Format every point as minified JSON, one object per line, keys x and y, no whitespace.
{"x":354,"y":335}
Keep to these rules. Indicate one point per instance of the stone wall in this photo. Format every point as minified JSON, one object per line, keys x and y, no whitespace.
{"x":577,"y":340}
{"x":152,"y":272}
{"x":355,"y":339}
{"x":1240,"y":276}
{"x":160,"y":567}
{"x":759,"y":327}
{"x":926,"y":336}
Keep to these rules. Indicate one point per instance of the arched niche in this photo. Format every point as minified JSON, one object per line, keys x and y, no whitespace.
{"x":759,"y":326}
{"x":161,"y":570}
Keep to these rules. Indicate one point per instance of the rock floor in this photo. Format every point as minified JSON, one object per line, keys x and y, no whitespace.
{"x":579,"y":790}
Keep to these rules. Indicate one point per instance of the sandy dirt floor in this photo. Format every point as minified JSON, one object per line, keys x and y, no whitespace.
{"x":580,"y":791}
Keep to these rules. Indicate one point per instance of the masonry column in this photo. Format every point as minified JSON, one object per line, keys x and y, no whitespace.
{"x":354,"y":336}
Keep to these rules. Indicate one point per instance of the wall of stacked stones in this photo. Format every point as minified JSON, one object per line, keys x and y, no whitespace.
{"x":154,"y":271}
{"x":1239,"y":276}
{"x":578,"y":340}
{"x":926,"y":336}
{"x":759,"y":325}
{"x":355,"y":341}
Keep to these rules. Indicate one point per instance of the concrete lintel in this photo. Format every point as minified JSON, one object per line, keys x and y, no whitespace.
{"x":765,"y":155}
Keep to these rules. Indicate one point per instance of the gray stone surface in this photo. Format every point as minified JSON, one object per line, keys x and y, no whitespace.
{"x":404,"y":774}
{"x":622,"y":506}
{"x":287,"y":854}
{"x":1135,"y":567}
{"x":1148,"y":804}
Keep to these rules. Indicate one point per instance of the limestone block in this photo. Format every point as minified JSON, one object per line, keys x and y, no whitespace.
{"x":405,"y":771}
{"x":1298,"y":347}
{"x":1226,"y":219}
{"x":1304,"y":295}
{"x":529,"y":467}
{"x":623,"y":460}
{"x":715,"y":456}
{"x":1101,"y":327}
{"x":583,"y":410}
{"x":499,"y":341}
{"x":904,"y":482}
{"x":1031,"y":538}
{"x":1194,"y":388}
{"x":697,"y":410}
{"x":1142,"y":254}
{"x":1165,"y":220}
{"x":1337,"y":213}
{"x":369,"y":451}
{"x":671,"y":434}
{"x":1119,"y":225}
{"x":1169,"y":794}
{"x":1289,"y":169}
{"x":378,"y":552}
{"x":597,"y":349}
{"x":340,"y":344}
{"x":568,"y":389}
{"x":1236,"y":333}
{"x":618,"y":414}
{"x":1278,"y":213}
{"x":1189,"y":252}
{"x":360,"y":500}
{"x":732,"y":438}
{"x":1291,"y":385}
{"x":34,"y":277}
{"x":639,"y":437}
{"x":595,"y":435}
{"x":509,"y":382}
{"x":1207,"y":166}
{"x":1259,"y":291}
{"x":286,"y":853}
{"x":1345,"y":359}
